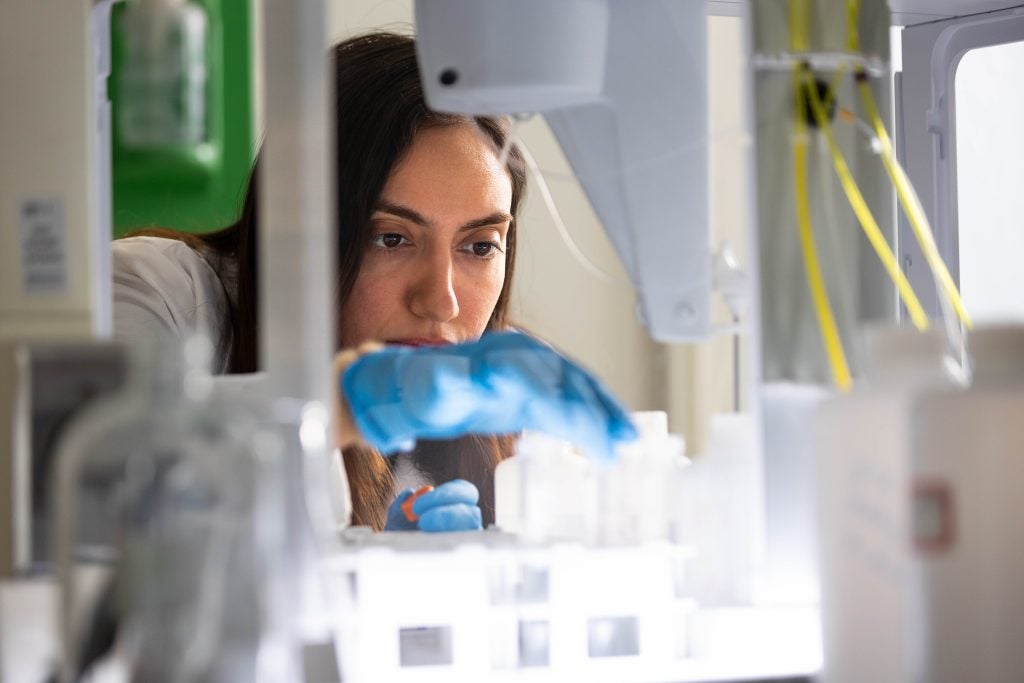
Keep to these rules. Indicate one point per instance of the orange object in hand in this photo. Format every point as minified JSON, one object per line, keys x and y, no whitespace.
{"x":408,"y":503}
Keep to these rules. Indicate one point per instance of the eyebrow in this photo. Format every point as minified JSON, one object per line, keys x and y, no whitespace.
{"x":417,"y":218}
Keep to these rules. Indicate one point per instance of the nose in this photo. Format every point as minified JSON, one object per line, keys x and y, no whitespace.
{"x":432,"y":295}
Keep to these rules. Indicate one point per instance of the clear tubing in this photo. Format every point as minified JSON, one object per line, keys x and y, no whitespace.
{"x":861,"y":209}
{"x":911,"y":205}
{"x":823,"y":310}
{"x":740,"y":133}
{"x":513,"y":140}
{"x":951,"y":303}
{"x":556,"y":217}
{"x":842,"y":286}
{"x":953,"y":331}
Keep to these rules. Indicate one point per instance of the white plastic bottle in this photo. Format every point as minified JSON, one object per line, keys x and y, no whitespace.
{"x":718,"y":512}
{"x":862,"y":483}
{"x":176,"y":501}
{"x":968,"y":478}
{"x":549,"y":492}
{"x":163,"y":82}
{"x":636,"y":492}
{"x":545,"y":492}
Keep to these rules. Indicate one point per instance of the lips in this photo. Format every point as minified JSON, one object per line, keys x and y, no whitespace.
{"x":419,"y":342}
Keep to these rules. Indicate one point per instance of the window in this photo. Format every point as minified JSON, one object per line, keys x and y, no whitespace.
{"x":990,"y":180}
{"x":959,"y":134}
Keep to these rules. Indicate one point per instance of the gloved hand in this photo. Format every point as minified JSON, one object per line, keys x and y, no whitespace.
{"x":449,"y":507}
{"x":503,"y":383}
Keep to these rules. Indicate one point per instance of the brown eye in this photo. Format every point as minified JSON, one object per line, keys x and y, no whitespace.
{"x":388,"y":240}
{"x":482,"y":249}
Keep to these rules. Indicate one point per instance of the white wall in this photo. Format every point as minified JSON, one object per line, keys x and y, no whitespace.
{"x":590,"y":317}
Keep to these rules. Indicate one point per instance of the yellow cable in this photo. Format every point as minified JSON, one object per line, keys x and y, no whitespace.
{"x":799,"y":33}
{"x":819,"y":296}
{"x":799,"y":25}
{"x":912,"y":206}
{"x":863,"y":213}
{"x":852,"y":29}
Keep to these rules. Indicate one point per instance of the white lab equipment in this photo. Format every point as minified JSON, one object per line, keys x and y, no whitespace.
{"x":927,"y":119}
{"x":719,"y":513}
{"x":172,"y":529}
{"x":637,"y":494}
{"x":789,"y":574}
{"x":816,"y":41}
{"x":549,"y":492}
{"x":967,"y":475}
{"x":479,"y":606}
{"x":296,"y":266}
{"x":54,"y":204}
{"x":623,"y":87}
{"x":546,"y":492}
{"x":55,"y":161}
{"x":862,"y":480}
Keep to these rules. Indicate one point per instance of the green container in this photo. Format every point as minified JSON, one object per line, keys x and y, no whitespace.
{"x":182,"y":131}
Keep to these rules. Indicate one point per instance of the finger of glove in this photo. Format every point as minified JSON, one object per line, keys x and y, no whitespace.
{"x":577,"y":422}
{"x":455,"y":517}
{"x":543,"y":390}
{"x":397,"y":521}
{"x":574,"y":410}
{"x":620,"y":425}
{"x":615,"y":418}
{"x":454,"y":492}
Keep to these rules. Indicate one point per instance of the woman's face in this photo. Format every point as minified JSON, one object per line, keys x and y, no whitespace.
{"x":435,"y":264}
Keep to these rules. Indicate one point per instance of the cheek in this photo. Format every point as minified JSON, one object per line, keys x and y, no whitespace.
{"x":360,"y":318}
{"x":478,"y":299}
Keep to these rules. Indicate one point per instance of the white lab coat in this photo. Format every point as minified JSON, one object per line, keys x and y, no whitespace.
{"x":165,"y":289}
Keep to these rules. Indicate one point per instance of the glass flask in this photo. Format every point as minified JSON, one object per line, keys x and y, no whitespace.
{"x":172,"y":521}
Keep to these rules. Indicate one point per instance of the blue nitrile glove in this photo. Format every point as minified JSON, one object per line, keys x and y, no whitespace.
{"x":452,"y":506}
{"x":501,"y":384}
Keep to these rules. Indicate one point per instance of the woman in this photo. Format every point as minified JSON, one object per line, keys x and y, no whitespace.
{"x":426,"y":215}
{"x":431,"y":249}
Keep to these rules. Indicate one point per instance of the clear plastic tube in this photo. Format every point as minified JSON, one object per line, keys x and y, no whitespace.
{"x":823,"y":310}
{"x":912,"y":207}
{"x":861,"y":209}
{"x":799,"y":36}
{"x":556,"y":217}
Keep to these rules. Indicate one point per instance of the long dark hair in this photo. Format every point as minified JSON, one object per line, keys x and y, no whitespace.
{"x":379,"y":108}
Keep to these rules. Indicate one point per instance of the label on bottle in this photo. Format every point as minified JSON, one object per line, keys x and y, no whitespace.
{"x":163,"y":79}
{"x":934,"y":517}
{"x":43,"y":246}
